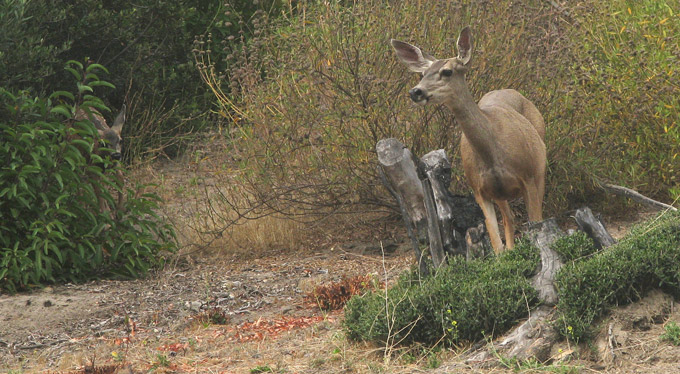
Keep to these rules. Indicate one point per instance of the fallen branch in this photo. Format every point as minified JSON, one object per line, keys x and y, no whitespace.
{"x":634,"y":195}
{"x":559,"y":8}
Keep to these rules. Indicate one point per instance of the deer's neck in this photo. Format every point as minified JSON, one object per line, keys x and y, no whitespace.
{"x":475,"y":125}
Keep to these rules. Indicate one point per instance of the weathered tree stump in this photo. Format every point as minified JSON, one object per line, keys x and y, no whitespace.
{"x":398,"y":170}
{"x":421,"y":187}
{"x":542,"y":235}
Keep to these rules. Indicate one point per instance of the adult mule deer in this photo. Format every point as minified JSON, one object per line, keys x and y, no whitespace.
{"x":111,"y":136}
{"x":501,"y":146}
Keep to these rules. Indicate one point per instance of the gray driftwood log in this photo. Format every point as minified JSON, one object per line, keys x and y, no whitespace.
{"x":436,"y":168}
{"x":534,"y":337}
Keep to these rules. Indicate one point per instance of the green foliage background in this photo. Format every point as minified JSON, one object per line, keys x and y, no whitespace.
{"x":146,"y":45}
{"x":310,"y":96}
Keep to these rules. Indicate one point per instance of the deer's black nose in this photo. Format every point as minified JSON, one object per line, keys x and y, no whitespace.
{"x":416,"y":94}
{"x":116,"y":156}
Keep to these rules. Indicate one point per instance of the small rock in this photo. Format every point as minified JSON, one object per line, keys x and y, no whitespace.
{"x":194,"y":306}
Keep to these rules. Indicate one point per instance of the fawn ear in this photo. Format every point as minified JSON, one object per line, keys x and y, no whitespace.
{"x":465,"y":45}
{"x":412,"y":56}
{"x":119,"y":121}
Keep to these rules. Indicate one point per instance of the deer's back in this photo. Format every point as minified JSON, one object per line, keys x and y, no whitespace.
{"x":514,"y":100}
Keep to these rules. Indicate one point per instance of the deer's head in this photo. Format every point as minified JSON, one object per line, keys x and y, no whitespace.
{"x":110,"y":135}
{"x":442,"y":79}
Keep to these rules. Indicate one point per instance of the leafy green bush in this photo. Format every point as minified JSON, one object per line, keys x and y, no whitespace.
{"x":649,"y":257}
{"x":462,"y":301}
{"x":51,"y":227}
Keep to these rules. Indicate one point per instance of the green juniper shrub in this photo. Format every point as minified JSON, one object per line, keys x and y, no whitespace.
{"x":649,"y":257}
{"x":463,"y":301}
{"x":574,"y":247}
{"x":51,"y":226}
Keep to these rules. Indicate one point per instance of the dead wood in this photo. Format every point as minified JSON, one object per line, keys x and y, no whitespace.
{"x":411,"y":229}
{"x":542,"y":235}
{"x":436,"y":168}
{"x":399,"y":174}
{"x":593,"y":227}
{"x":636,"y":196}
{"x":434,"y":231}
{"x":421,"y":187}
{"x":535,"y":337}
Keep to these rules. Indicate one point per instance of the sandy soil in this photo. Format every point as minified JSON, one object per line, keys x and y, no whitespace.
{"x":65,"y":327}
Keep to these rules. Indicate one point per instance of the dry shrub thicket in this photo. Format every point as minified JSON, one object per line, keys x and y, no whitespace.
{"x":307,"y":98}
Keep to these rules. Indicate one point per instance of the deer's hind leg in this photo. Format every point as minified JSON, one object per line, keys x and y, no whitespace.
{"x":491,"y":222}
{"x":508,"y":223}
{"x":533,"y":198}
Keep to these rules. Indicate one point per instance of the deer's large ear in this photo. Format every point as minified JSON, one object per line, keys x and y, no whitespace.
{"x":119,"y":121}
{"x":96,"y":122}
{"x":412,"y":56}
{"x":465,"y":45}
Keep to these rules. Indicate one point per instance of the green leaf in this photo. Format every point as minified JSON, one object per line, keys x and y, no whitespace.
{"x":60,"y":181}
{"x":92,"y":67}
{"x":91,"y":78}
{"x":60,"y":109}
{"x":75,"y":73}
{"x":84,"y":88}
{"x":74,"y":62}
{"x":83,"y":143}
{"x":102,"y":83}
{"x":58,"y":94}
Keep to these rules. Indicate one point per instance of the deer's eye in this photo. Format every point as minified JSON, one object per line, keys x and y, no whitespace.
{"x":446,"y":73}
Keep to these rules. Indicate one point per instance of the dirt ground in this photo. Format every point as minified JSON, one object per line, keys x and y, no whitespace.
{"x":247,"y":313}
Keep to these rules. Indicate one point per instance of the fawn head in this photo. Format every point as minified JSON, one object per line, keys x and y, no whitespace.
{"x":110,"y":135}
{"x":442,"y":79}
